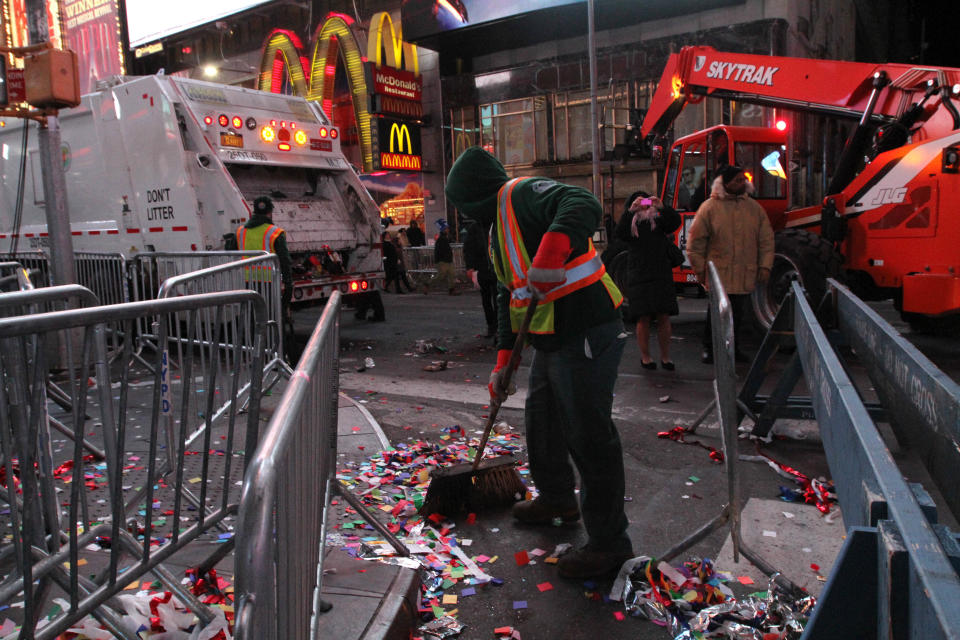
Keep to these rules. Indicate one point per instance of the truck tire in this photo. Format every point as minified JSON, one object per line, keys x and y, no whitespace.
{"x":798,"y":255}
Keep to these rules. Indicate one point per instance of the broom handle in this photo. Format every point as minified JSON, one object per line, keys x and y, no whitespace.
{"x":512,"y":365}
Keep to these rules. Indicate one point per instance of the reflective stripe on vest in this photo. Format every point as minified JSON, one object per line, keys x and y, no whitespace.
{"x":514,"y":263}
{"x":262,"y":237}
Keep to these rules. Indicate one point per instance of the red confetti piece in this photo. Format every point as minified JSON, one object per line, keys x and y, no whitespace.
{"x":471,"y":518}
{"x":521,"y":558}
{"x":678,"y":434}
{"x":815,"y":567}
{"x":545,"y":586}
{"x":619,"y":615}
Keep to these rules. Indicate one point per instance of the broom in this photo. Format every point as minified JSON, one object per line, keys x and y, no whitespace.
{"x":481,"y":483}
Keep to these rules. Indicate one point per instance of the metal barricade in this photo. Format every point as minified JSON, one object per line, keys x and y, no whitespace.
{"x":260,"y":274}
{"x":419,"y":260}
{"x":725,"y":403}
{"x":48,"y":547}
{"x":103,"y":273}
{"x":148,"y":270}
{"x":13,"y":277}
{"x":286,"y":492}
{"x":913,"y":588}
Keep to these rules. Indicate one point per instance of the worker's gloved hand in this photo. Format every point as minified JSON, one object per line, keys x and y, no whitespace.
{"x":763,"y":275}
{"x":546,"y":271}
{"x":495,"y":386}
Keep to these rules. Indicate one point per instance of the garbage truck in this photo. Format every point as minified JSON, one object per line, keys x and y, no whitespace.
{"x":168,"y":164}
{"x":887,"y":224}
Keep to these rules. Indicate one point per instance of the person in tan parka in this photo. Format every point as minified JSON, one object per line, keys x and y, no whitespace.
{"x":733,"y":231}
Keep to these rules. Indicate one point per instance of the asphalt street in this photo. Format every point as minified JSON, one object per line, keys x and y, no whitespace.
{"x":672,"y":489}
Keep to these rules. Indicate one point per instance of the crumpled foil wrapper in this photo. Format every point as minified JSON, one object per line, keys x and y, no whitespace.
{"x":748,"y":618}
{"x":445,"y":627}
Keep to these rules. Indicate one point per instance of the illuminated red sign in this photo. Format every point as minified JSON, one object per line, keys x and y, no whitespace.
{"x":16,"y":86}
{"x":397,"y":83}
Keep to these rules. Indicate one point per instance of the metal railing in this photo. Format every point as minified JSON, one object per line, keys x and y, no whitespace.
{"x":13,"y":277}
{"x":47,"y":545}
{"x":148,"y":270}
{"x":105,"y":274}
{"x":419,"y":260}
{"x":283,"y":521}
{"x":896,"y":575}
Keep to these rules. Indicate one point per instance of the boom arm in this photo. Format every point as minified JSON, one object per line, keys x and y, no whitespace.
{"x":827,"y":87}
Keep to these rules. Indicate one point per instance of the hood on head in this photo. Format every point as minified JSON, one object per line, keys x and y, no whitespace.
{"x":473,"y":183}
{"x":717,"y":190}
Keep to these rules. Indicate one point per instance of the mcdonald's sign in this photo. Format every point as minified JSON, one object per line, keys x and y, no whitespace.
{"x":398,"y":145}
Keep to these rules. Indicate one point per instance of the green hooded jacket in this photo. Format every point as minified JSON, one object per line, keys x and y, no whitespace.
{"x":540,"y":205}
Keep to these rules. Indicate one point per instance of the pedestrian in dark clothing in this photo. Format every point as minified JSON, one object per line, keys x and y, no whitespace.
{"x":646,"y":227}
{"x":541,"y":249}
{"x":391,"y":260}
{"x":476,"y":255}
{"x":369,"y":300}
{"x":415,"y":235}
{"x":443,"y":260}
{"x":401,"y":262}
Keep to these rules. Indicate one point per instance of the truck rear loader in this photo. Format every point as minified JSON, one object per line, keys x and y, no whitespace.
{"x":166,"y":164}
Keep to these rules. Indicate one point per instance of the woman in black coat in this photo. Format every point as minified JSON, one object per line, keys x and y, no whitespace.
{"x":646,"y":226}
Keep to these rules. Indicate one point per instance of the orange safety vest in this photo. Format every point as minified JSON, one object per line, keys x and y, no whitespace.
{"x":514,"y":263}
{"x":261,"y":237}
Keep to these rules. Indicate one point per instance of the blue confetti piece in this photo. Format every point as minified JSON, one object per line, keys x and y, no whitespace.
{"x":469,"y":591}
{"x":519,"y":604}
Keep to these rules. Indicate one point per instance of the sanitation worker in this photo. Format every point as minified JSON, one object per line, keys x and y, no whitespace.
{"x":541,"y":241}
{"x":259,"y":233}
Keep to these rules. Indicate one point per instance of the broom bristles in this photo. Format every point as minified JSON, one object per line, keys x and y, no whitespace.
{"x":458,"y":488}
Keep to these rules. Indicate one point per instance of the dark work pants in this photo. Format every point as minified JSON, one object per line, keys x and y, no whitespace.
{"x":739,"y":304}
{"x":488,"y":296}
{"x":567,"y":415}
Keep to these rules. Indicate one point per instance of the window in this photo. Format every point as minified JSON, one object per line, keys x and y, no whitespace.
{"x":571,"y":117}
{"x":464,"y":131}
{"x":765,"y":164}
{"x":515,"y":131}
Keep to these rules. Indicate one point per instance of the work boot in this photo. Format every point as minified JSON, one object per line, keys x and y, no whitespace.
{"x":590,"y":563}
{"x":491,"y":331}
{"x":537,"y":511}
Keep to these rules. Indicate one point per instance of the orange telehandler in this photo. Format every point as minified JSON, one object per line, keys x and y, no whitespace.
{"x":889,"y":222}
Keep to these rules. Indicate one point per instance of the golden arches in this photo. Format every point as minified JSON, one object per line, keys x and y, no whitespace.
{"x":334,"y":38}
{"x":396,"y":49}
{"x":286,"y":45}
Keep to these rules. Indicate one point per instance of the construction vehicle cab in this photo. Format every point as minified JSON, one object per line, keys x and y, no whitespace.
{"x":693,"y":162}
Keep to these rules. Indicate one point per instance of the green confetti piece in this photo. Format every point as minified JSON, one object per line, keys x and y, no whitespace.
{"x":693,"y":479}
{"x":447,"y":583}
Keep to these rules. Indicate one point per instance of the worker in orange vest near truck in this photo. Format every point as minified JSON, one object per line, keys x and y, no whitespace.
{"x":260,"y":234}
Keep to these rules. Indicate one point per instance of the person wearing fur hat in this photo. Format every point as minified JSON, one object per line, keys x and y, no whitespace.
{"x":541,"y":250}
{"x":732,"y":230}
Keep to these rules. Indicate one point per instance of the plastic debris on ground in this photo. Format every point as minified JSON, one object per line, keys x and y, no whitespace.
{"x":151,"y":612}
{"x":395,"y":482}
{"x":692,"y":602}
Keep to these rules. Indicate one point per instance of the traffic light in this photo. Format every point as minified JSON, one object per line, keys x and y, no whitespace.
{"x":3,"y":81}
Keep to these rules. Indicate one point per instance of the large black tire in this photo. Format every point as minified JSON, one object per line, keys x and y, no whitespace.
{"x":798,"y":255}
